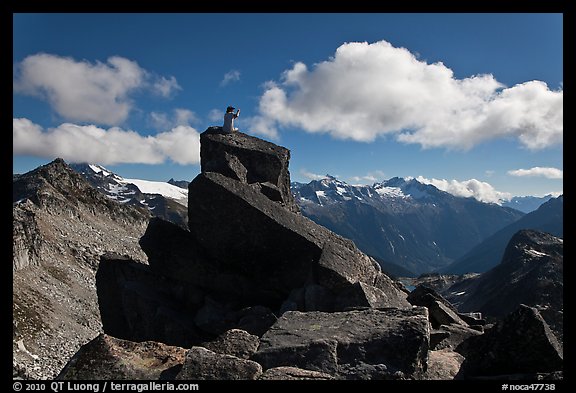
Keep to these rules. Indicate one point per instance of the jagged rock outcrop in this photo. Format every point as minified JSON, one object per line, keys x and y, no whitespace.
{"x":519,"y":344}
{"x":61,"y":226}
{"x":245,"y":248}
{"x":279,"y":249}
{"x":425,"y":296}
{"x":349,"y":344}
{"x":257,"y":291}
{"x":531,"y":273}
{"x":441,"y":311}
{"x":27,"y":242}
{"x":249,"y":160}
{"x":107,"y":357}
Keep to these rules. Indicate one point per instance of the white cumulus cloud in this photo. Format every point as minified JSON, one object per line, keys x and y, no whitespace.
{"x":89,"y":143}
{"x":230,"y":76}
{"x":82,"y":91}
{"x":370,"y":177}
{"x":166,"y":86}
{"x":368,"y":90}
{"x":482,"y":191}
{"x":262,"y":125}
{"x":178,"y":117}
{"x":550,"y":173}
{"x":311,"y":176}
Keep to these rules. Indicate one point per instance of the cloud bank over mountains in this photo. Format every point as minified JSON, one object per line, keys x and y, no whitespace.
{"x":481,"y":191}
{"x":368,"y":90}
{"x":363,"y":92}
{"x":76,"y":143}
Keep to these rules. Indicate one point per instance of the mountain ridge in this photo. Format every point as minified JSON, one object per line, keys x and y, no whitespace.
{"x":162,"y":199}
{"x":61,"y":226}
{"x":402,"y":221}
{"x":530,"y":272}
{"x":549,"y":217}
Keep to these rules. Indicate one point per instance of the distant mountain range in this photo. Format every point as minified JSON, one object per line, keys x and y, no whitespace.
{"x":89,"y":259}
{"x":163,"y":199}
{"x":527,"y":204}
{"x":409,"y":227}
{"x":402,"y":221}
{"x":547,"y":218}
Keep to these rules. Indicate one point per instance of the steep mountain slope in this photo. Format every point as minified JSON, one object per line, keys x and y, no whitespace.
{"x":527,"y":204}
{"x":547,"y":218}
{"x":164,"y":200}
{"x":61,"y":226}
{"x":392,"y":269}
{"x":402,"y":221}
{"x":531,"y":273}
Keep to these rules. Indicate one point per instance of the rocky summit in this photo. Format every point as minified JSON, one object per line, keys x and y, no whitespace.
{"x":254,"y":290}
{"x":61,"y":227}
{"x":531,"y":272}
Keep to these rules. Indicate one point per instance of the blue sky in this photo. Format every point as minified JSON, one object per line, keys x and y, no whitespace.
{"x":471,"y":103}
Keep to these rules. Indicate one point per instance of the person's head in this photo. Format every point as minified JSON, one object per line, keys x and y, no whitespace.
{"x":230,"y":109}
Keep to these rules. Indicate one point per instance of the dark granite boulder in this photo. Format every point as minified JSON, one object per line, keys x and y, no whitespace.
{"x":234,"y":342}
{"x":519,"y":344}
{"x":424,"y":296}
{"x":443,"y":364}
{"x":361,"y":295}
{"x":251,"y":161}
{"x":203,"y":364}
{"x":255,"y":320}
{"x":441,"y":311}
{"x":279,"y":250}
{"x":450,"y":336}
{"x":106,"y":357}
{"x":440,"y":314}
{"x":337,"y":343}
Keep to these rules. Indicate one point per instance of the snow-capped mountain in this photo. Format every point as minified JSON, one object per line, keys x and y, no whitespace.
{"x":161,"y":198}
{"x":330,"y":190}
{"x":402,"y":221}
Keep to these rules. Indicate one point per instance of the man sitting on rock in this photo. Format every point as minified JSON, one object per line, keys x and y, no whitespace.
{"x":229,"y":117}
